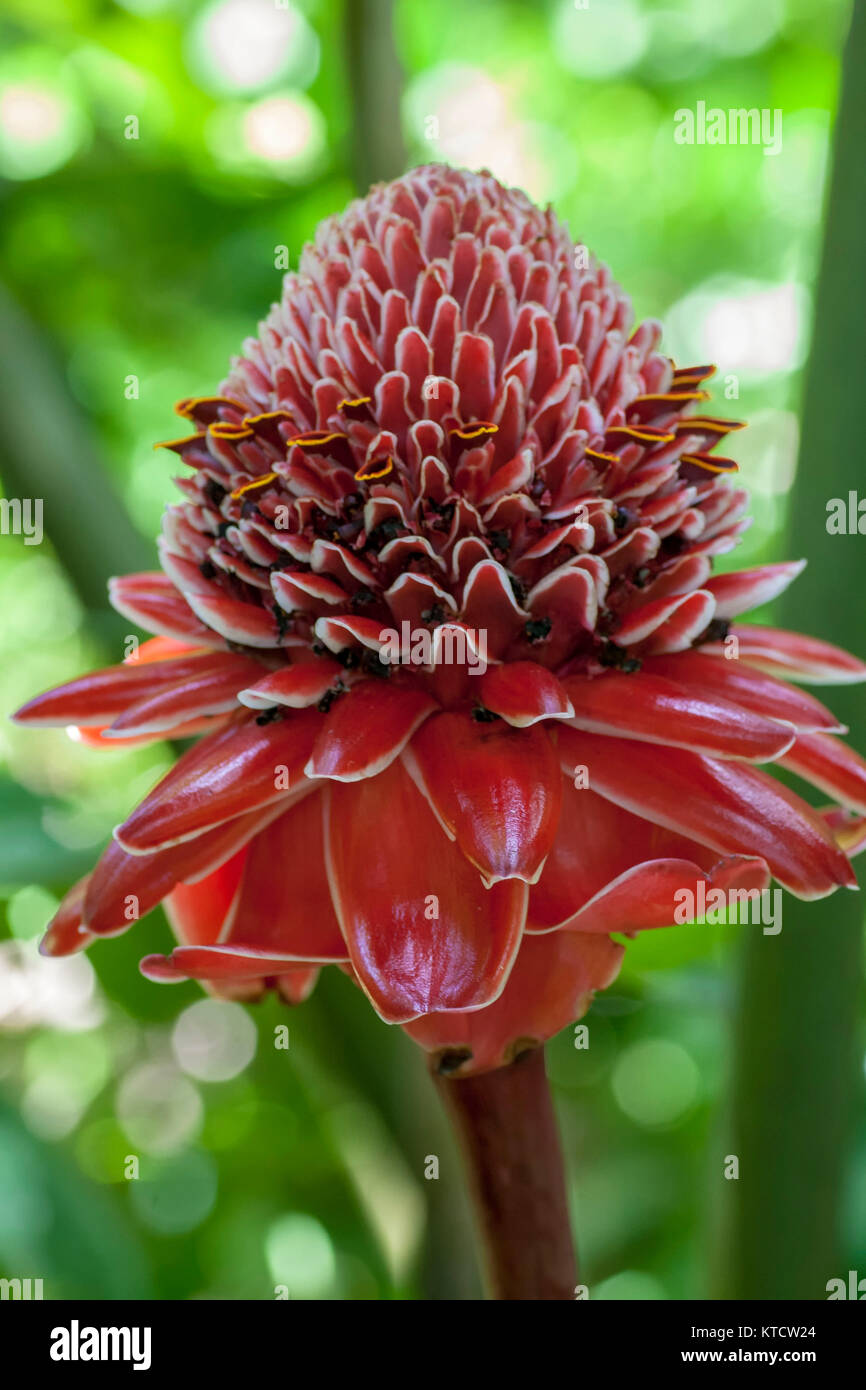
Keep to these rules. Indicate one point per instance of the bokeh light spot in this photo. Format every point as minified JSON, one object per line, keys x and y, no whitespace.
{"x":34,"y":991}
{"x":42,"y":123}
{"x":177,"y":1194}
{"x":63,"y":1075}
{"x":602,"y":39}
{"x":29,"y":911}
{"x":279,"y":129}
{"x":739,"y":26}
{"x":300,"y":1254}
{"x":282,"y":136}
{"x":466,"y":117}
{"x":745,"y":326}
{"x":655,"y":1082}
{"x":214,"y":1040}
{"x":244,"y":45}
{"x":159,"y":1108}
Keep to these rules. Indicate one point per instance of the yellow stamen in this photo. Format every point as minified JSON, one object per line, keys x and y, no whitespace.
{"x":677,"y":396}
{"x":223,"y":429}
{"x":705,"y":423}
{"x":188,"y":406}
{"x":179,"y":443}
{"x":362,"y":477}
{"x":256,"y":482}
{"x":687,"y":376}
{"x":475,"y":431}
{"x":645,"y":435}
{"x":720,"y":466}
{"x":269,"y":415}
{"x":314,"y":440}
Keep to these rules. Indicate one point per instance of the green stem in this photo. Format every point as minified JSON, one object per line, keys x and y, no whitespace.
{"x":46,"y":452}
{"x":795,"y":1082}
{"x":375,"y":85}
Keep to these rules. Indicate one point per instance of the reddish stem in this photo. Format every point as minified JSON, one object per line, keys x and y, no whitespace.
{"x":507,"y":1131}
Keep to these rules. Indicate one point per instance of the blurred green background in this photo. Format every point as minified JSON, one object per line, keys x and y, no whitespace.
{"x":155,"y":158}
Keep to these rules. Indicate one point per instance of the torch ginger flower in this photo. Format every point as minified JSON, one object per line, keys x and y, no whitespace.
{"x":449,"y":422}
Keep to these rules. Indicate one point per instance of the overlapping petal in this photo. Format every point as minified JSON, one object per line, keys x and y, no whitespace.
{"x":367,"y":729}
{"x":244,"y":766}
{"x":124,"y":887}
{"x":657,"y":710}
{"x":611,"y":870}
{"x":795,"y":657}
{"x":494,"y":789}
{"x":745,"y":686}
{"x":423,"y":933}
{"x":728,"y":806}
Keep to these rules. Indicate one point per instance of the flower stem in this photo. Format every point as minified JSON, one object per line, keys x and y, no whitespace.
{"x":507,"y":1131}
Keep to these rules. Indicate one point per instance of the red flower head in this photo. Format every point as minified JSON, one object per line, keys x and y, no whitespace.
{"x":439,"y":596}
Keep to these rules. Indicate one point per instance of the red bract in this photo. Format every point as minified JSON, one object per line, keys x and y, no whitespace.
{"x":440,"y":593}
